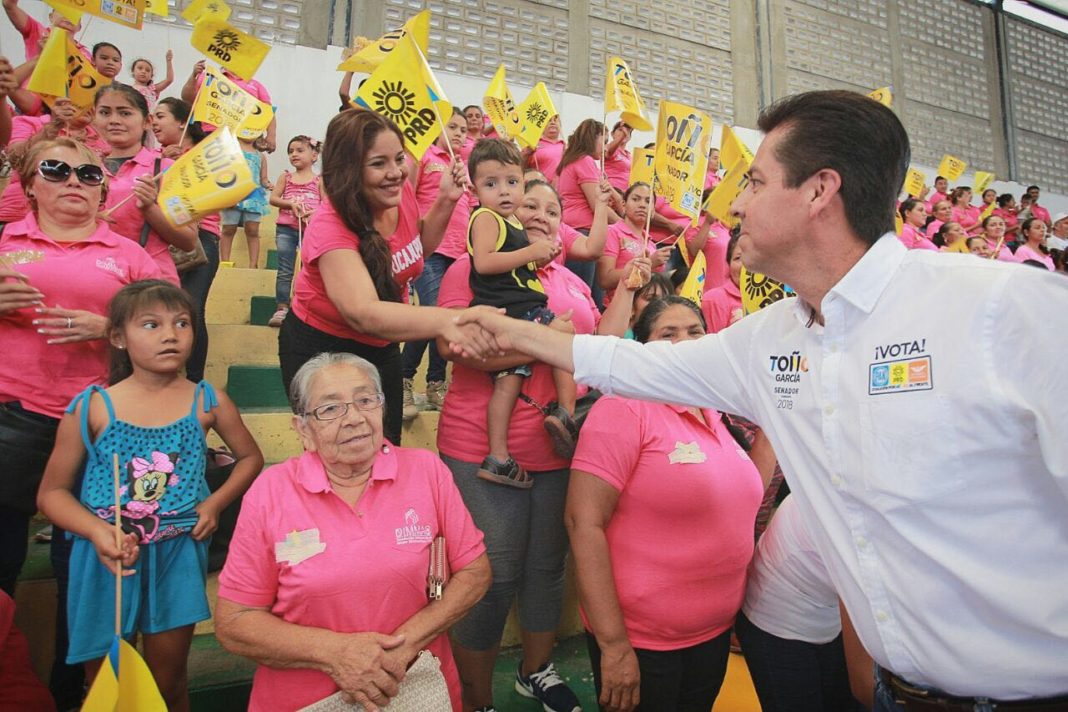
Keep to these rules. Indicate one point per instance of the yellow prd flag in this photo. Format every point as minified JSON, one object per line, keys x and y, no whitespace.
{"x":914,"y":182}
{"x":222,"y":102}
{"x":694,"y":286}
{"x":158,"y":7}
{"x":641,"y":166}
{"x":212,"y":176}
{"x":884,"y":96}
{"x":759,"y":290}
{"x":399,"y":90}
{"x":50,"y":76}
{"x":982,"y":181}
{"x":500,"y":106}
{"x":534,"y":114}
{"x":128,"y":13}
{"x":621,"y":94}
{"x":124,"y":683}
{"x":682,"y":136}
{"x":726,"y":192}
{"x":239,"y":52}
{"x":731,"y":149}
{"x":199,"y":9}
{"x":951,"y":168}
{"x":257,"y":122}
{"x":368,"y":58}
{"x":68,"y":11}
{"x":988,"y":211}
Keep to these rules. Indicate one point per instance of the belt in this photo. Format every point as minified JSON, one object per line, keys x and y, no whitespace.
{"x":915,"y":699}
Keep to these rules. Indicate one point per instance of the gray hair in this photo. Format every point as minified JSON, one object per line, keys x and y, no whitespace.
{"x":301,"y":383}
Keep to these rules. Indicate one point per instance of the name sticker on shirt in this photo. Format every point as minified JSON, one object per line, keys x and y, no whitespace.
{"x":686,"y":454}
{"x":298,"y":547}
{"x":901,"y":376}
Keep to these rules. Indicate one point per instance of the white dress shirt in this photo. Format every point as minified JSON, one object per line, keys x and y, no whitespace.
{"x":921,"y":430}
{"x":789,"y":593}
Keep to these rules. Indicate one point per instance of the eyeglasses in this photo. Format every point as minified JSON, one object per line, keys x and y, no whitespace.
{"x":56,"y":171}
{"x":333,"y":411}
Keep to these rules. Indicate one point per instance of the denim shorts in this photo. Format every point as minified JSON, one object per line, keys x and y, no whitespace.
{"x":237,"y":217}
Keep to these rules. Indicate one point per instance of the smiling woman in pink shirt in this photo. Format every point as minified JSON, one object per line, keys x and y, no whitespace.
{"x":914,"y":217}
{"x":59,"y":256}
{"x":661,"y":528}
{"x":1033,"y":233}
{"x":617,"y":158}
{"x":626,"y":240}
{"x":993,"y":231}
{"x":963,"y":211}
{"x":122,"y":120}
{"x":325,"y":584}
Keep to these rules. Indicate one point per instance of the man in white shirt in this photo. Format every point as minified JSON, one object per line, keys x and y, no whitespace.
{"x":913,"y":403}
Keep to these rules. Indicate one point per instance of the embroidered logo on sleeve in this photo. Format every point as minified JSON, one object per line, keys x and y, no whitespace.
{"x":298,"y":546}
{"x":686,"y":454}
{"x":412,"y":532}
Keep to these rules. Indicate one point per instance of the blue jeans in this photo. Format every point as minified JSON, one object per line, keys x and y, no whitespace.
{"x":197,"y":282}
{"x":884,"y":698}
{"x":426,"y":286}
{"x":285,"y":241}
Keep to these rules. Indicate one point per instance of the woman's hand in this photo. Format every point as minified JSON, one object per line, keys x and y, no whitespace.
{"x":68,"y":326}
{"x":466,"y":337}
{"x":364,"y":671}
{"x":198,"y":68}
{"x":620,"y":678}
{"x":8,"y":82}
{"x":145,"y":191}
{"x":173,"y":152}
{"x":16,"y":292}
{"x":607,"y":196}
{"x":207,"y":520}
{"x":661,"y":256}
{"x":636,"y":274}
{"x":111,"y":555}
{"x":64,"y":111}
{"x":453,"y":181}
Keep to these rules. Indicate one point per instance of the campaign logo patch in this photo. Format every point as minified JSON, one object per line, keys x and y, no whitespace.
{"x":901,"y":376}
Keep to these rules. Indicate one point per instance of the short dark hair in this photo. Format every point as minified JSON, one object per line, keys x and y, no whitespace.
{"x":101,"y":45}
{"x":907,"y":205}
{"x":853,"y":135}
{"x":1004,"y":199}
{"x":494,"y":149}
{"x":472,"y":106}
{"x":1033,"y":187}
{"x":938,"y":178}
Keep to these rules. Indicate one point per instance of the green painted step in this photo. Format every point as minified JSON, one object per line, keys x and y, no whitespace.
{"x":256,"y":387}
{"x":272,"y":259}
{"x":261,"y":310}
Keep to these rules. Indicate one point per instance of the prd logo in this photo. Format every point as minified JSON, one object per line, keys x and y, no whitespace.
{"x":224,"y":42}
{"x":537,"y":114}
{"x":395,"y":101}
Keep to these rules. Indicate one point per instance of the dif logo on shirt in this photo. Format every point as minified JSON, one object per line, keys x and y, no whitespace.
{"x":902,"y":376}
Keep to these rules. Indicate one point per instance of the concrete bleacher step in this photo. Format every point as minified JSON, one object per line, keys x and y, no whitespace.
{"x":232,"y":291}
{"x":239,"y":345}
{"x":261,"y":311}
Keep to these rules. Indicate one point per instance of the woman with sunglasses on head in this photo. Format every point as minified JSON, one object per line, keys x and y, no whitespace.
{"x":121,"y":118}
{"x":60,"y":255}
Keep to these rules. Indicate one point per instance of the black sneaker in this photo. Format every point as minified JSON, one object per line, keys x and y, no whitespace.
{"x":562,"y":429}
{"x":547,"y":687}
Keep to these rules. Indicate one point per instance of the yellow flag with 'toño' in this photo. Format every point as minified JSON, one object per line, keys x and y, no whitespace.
{"x":255,"y":125}
{"x":726,"y":192}
{"x":951,"y":168}
{"x":682,"y":137}
{"x":732,"y":149}
{"x":222,"y":102}
{"x":621,"y":94}
{"x":199,"y":9}
{"x":982,"y":181}
{"x":212,"y":176}
{"x":239,"y":52}
{"x":534,"y":114}
{"x":500,"y":106}
{"x":369,"y":57}
{"x":641,"y":166}
{"x":694,"y":286}
{"x":128,"y":13}
{"x":404,"y":90}
{"x":63,"y":71}
{"x":914,"y":182}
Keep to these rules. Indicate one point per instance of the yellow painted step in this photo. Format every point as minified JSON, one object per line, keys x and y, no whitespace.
{"x":232,"y":292}
{"x":230,"y":344}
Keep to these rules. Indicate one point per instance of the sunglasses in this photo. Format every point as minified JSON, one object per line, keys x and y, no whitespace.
{"x":56,"y":171}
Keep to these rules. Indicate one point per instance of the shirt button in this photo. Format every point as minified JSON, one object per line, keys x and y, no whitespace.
{"x":882,"y":616}
{"x":828,"y":410}
{"x":359,"y":514}
{"x":861,"y":542}
{"x":836,"y":480}
{"x":834,"y":348}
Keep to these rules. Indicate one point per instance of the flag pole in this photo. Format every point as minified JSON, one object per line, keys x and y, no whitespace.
{"x":649,"y":214}
{"x":604,"y":142}
{"x":189,"y":118}
{"x":118,"y":543}
{"x":994,"y":254}
{"x":111,"y":211}
{"x":437,"y":111}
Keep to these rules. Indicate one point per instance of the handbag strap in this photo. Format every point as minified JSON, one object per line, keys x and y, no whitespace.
{"x":145,"y":228}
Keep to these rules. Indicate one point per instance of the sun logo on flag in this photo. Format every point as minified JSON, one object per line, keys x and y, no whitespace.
{"x":226,"y":40}
{"x":395,"y":101}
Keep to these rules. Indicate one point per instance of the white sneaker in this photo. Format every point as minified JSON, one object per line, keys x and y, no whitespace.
{"x":410,"y":409}
{"x":278,"y":317}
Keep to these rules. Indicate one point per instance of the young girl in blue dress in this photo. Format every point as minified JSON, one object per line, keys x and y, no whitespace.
{"x":155,"y":421}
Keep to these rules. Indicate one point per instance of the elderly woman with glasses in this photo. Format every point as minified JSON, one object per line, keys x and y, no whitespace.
{"x":59,"y":256}
{"x":325,"y":585}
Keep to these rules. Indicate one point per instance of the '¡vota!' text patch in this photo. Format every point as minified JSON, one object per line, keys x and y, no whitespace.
{"x":901,"y":376}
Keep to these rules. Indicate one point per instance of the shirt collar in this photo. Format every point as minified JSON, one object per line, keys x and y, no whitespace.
{"x":732,"y":288}
{"x":312,"y":473}
{"x":29,"y":228}
{"x":867,"y":280}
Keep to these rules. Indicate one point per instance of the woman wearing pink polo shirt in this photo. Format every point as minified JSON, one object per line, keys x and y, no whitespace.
{"x":941,"y":213}
{"x":1006,"y":210}
{"x":546,"y":156}
{"x":1033,"y":233}
{"x":963,"y":211}
{"x":122,"y":120}
{"x":617,"y":158}
{"x":325,"y":584}
{"x":722,"y":306}
{"x":661,"y":527}
{"x":523,"y":527}
{"x":913,"y":219}
{"x":993,"y":232}
{"x":59,"y":255}
{"x":626,"y":240}
{"x":363,"y":246}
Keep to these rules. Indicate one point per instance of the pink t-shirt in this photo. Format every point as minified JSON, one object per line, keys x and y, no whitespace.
{"x":625,"y":243}
{"x":76,"y":275}
{"x":717,"y":271}
{"x":371,"y":573}
{"x":1005,"y":254}
{"x":968,"y":217}
{"x":913,"y":239}
{"x":1011,"y":221}
{"x":934,"y":199}
{"x":462,"y":432}
{"x":546,"y":157}
{"x":617,"y":169}
{"x":565,"y":237}
{"x":465,"y":150}
{"x":1025,"y":252}
{"x":681,"y":536}
{"x":435,"y":162}
{"x":128,"y":219}
{"x":663,"y":236}
{"x":577,"y":211}
{"x":712,"y":179}
{"x":1039,"y":212}
{"x":34,"y":32}
{"x":306,"y":193}
{"x":722,"y":306}
{"x":327,"y":232}
{"x":210,"y":223}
